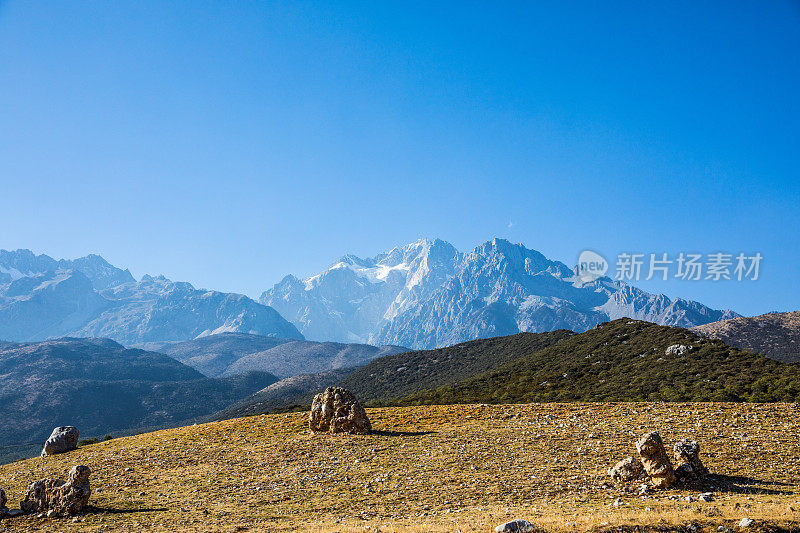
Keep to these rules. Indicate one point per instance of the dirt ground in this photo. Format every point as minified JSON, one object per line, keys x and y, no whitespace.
{"x":435,"y":469}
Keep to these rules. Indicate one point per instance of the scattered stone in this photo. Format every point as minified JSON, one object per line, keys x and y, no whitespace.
{"x":628,"y":469}
{"x":745,"y":522}
{"x":337,"y":411}
{"x":15,"y":512}
{"x":618,"y":502}
{"x":706,"y":497}
{"x":687,"y":457}
{"x":52,"y":514}
{"x":655,"y":460}
{"x":63,"y":498}
{"x":723,"y":529}
{"x":62,"y":439}
{"x":515,"y":526}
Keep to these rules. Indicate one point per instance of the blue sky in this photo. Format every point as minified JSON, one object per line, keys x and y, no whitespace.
{"x":231,"y":144}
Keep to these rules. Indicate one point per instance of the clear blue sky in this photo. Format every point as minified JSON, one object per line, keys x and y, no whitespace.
{"x":231,"y":144}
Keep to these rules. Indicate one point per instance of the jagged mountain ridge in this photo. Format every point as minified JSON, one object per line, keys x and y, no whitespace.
{"x":427,"y":294}
{"x":24,"y":263}
{"x":41,"y":298}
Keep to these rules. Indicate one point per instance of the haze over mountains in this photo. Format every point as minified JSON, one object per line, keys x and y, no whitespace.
{"x":100,"y":386}
{"x":428,"y":294}
{"x":230,"y":354}
{"x":42,"y":298}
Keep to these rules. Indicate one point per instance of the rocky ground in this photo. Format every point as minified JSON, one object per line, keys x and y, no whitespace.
{"x":435,"y":469}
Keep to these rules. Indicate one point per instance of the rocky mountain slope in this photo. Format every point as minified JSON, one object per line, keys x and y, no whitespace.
{"x":627,"y":360}
{"x":776,"y":335}
{"x":41,"y":298}
{"x":230,"y":354}
{"x":427,"y":294}
{"x":99,"y":386}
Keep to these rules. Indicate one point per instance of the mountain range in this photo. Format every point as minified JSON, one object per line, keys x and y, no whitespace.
{"x":620,"y":360}
{"x":427,"y":294}
{"x":423,"y":295}
{"x":41,"y":298}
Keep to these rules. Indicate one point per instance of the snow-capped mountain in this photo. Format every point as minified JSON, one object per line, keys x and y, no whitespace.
{"x":41,"y":298}
{"x":355,"y":297}
{"x":24,"y":263}
{"x":427,"y":294}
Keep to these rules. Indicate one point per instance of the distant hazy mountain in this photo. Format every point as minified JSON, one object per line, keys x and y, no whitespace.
{"x":295,"y":390}
{"x":213,"y":354}
{"x":41,"y":298}
{"x":776,"y":335}
{"x":230,"y":354}
{"x":427,"y":294}
{"x":99,"y":387}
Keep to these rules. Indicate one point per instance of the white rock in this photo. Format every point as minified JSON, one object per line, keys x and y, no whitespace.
{"x":677,"y":349}
{"x":746,"y":522}
{"x":515,"y":526}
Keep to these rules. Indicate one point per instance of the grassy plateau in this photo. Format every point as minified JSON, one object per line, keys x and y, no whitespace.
{"x":435,"y":469}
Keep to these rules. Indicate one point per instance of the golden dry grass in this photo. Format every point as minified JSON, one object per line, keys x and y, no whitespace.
{"x":441,"y":468}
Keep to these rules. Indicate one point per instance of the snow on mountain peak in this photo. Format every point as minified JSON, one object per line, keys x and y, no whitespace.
{"x":427,"y":294}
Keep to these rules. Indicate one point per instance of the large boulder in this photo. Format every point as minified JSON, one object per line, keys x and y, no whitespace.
{"x":67,"y":498}
{"x":628,"y":469}
{"x":62,"y":439}
{"x":687,"y":456}
{"x":3,"y":509}
{"x":655,"y":460}
{"x":337,"y":411}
